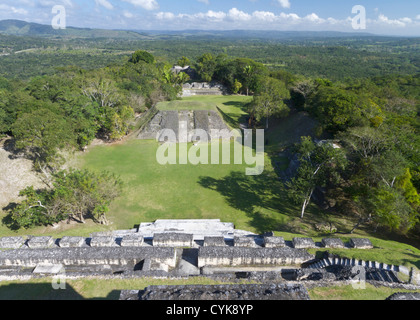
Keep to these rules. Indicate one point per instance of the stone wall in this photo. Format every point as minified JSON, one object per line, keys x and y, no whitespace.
{"x":239,"y":256}
{"x":231,"y":292}
{"x":87,"y":256}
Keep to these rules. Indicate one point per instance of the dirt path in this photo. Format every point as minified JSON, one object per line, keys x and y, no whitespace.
{"x":15,"y":175}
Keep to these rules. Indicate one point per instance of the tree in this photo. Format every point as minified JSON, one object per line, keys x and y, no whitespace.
{"x":184,"y":62}
{"x":41,"y":134}
{"x":319,"y":166}
{"x":75,"y":195}
{"x":270,"y":101}
{"x":237,"y":86}
{"x":141,"y":55}
{"x":206,"y":66}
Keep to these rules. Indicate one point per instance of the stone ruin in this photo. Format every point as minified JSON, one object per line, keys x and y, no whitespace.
{"x":203,"y":88}
{"x":188,"y":121}
{"x":185,"y":248}
{"x":219,"y":292}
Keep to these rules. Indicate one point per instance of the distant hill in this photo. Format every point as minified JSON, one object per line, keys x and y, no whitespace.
{"x":23,"y":28}
{"x":260,"y":34}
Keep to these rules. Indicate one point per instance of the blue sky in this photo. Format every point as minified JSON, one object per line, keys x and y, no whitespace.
{"x":382,"y":16}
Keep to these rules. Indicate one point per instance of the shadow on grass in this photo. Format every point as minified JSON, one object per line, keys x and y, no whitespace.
{"x":45,"y":291}
{"x":252,"y":195}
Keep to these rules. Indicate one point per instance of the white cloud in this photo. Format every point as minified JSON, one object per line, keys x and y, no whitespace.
{"x":145,"y":4}
{"x":394,"y":22}
{"x":284,"y":3}
{"x":418,"y":17}
{"x":165,"y":16}
{"x":236,"y":14}
{"x":13,"y":10}
{"x":207,"y":2}
{"x":128,"y":15}
{"x":264,"y":16}
{"x":105,"y":4}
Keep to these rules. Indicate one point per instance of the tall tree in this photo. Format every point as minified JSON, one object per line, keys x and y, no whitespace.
{"x":269,"y":101}
{"x":319,"y":166}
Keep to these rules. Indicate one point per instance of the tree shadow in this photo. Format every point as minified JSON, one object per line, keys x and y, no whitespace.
{"x":46,"y":291}
{"x":252,"y":195}
{"x":7,"y":219}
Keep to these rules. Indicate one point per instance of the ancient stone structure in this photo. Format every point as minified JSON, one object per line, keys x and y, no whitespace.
{"x":40,"y":242}
{"x":237,"y":256}
{"x":274,"y":242}
{"x":332,"y":243}
{"x":202,"y":88}
{"x":218,"y":241}
{"x":245,"y":242}
{"x":303,"y":243}
{"x":173,"y":239}
{"x":11,"y":242}
{"x":220,"y":292}
{"x":71,"y":242}
{"x":184,"y":248}
{"x":359,"y":243}
{"x":187,"y":121}
{"x":86,"y":256}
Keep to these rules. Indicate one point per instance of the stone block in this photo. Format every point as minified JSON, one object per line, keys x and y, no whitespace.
{"x":274,"y":242}
{"x":102,"y":241}
{"x":170,"y":239}
{"x":303,"y":243}
{"x":245,"y":242}
{"x":48,"y":269}
{"x":11,"y":242}
{"x":214,"y":242}
{"x":132,"y":240}
{"x":332,"y":243}
{"x":71,"y":242}
{"x":40,"y":242}
{"x":361,"y":243}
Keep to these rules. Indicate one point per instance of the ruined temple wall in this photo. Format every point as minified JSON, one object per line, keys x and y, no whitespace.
{"x":87,"y":256}
{"x":236,"y":256}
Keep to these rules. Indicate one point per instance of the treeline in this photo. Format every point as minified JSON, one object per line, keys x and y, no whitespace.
{"x":371,"y":167}
{"x":49,"y":116}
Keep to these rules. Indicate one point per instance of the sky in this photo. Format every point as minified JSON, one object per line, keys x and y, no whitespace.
{"x":384,"y":17}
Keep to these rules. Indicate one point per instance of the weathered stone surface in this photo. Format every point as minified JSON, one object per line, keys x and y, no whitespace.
{"x":132,"y":240}
{"x":48,"y":269}
{"x":102,"y":241}
{"x":220,"y":292}
{"x":200,"y":228}
{"x":214,"y":242}
{"x":303,"y":243}
{"x":361,"y":243}
{"x":87,"y":256}
{"x":71,"y":242}
{"x":235,"y":256}
{"x":246,"y":242}
{"x":173,"y":239}
{"x":11,"y":242}
{"x":332,"y":243}
{"x":40,"y":242}
{"x":404,"y":296}
{"x":274,"y":242}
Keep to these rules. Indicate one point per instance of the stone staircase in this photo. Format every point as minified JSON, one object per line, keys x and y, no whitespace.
{"x":374,"y":271}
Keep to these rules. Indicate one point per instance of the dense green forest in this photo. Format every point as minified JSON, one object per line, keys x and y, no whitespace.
{"x":58,"y":95}
{"x":334,"y":57}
